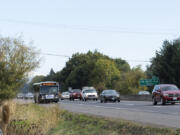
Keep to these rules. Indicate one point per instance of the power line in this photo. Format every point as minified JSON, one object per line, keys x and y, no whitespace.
{"x":92,"y":28}
{"x":60,"y":55}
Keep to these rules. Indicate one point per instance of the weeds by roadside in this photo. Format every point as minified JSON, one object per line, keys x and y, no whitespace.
{"x":32,"y":119}
{"x":79,"y":124}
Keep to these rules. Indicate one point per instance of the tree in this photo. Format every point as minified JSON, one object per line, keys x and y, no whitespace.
{"x":129,"y":81}
{"x":16,"y":61}
{"x":77,"y":72}
{"x":50,"y":76}
{"x":122,"y":65}
{"x":104,"y":73}
{"x":36,"y":79}
{"x":166,"y":63}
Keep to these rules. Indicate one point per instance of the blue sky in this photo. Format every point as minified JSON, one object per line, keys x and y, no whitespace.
{"x":128,"y":29}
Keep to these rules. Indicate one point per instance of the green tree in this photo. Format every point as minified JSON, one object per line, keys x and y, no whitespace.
{"x":36,"y":79}
{"x":122,"y":65}
{"x":50,"y":76}
{"x":166,"y":63}
{"x":104,"y":73}
{"x":16,"y":61}
{"x":77,"y":72}
{"x":129,"y":81}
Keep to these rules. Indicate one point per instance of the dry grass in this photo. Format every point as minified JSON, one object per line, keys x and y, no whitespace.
{"x":32,"y":119}
{"x":79,"y":124}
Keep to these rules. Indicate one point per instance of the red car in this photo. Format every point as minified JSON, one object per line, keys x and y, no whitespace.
{"x":165,"y":93}
{"x":75,"y":94}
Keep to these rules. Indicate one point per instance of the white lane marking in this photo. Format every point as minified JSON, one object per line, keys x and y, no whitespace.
{"x":116,"y":108}
{"x":129,"y":109}
{"x":157,"y":106}
{"x":129,"y":104}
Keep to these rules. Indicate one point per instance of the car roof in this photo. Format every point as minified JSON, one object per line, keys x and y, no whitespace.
{"x":165,"y":85}
{"x":88,"y":89}
{"x":109,"y":90}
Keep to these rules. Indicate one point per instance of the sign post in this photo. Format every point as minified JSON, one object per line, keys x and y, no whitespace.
{"x":149,"y":82}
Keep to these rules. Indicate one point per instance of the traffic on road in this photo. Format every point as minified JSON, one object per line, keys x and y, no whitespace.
{"x":49,"y":92}
{"x":109,"y":104}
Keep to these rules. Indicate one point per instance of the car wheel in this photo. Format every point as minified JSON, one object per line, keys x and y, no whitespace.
{"x":173,"y":103}
{"x":101,"y":101}
{"x":163,"y":102}
{"x":154,"y":101}
{"x":118,"y":100}
{"x":104,"y":100}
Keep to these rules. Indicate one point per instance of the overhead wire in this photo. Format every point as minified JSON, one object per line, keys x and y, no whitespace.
{"x":92,"y":28}
{"x":66,"y":56}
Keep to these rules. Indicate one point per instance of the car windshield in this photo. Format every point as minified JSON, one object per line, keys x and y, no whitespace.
{"x":48,"y":89}
{"x":65,"y":93}
{"x":90,"y":91}
{"x":29,"y":94}
{"x":110,"y":92}
{"x":165,"y":88}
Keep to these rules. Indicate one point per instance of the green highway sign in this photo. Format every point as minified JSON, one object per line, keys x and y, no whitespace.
{"x":150,"y":82}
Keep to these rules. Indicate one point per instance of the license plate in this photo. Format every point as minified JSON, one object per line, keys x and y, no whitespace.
{"x":50,"y":97}
{"x":174,"y":98}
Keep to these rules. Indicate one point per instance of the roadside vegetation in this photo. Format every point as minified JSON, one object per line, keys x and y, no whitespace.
{"x":33,"y":119}
{"x":17,"y":60}
{"x":79,"y":124}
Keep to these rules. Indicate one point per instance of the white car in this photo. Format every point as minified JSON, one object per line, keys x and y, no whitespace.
{"x":143,"y":93}
{"x":19,"y":96}
{"x":29,"y":95}
{"x":65,"y":95}
{"x":89,"y":94}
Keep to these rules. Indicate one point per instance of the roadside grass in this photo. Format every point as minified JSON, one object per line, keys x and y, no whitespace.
{"x":32,"y":119}
{"x":79,"y":124}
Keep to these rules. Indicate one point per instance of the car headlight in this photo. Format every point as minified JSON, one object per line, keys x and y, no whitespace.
{"x":165,"y":94}
{"x":42,"y":97}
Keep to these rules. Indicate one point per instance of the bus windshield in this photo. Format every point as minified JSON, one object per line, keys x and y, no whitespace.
{"x":48,"y":89}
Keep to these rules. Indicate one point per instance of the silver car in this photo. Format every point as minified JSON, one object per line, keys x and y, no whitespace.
{"x":65,"y":95}
{"x":29,"y":95}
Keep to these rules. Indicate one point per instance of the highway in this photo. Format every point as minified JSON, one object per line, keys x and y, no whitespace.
{"x":138,"y":111}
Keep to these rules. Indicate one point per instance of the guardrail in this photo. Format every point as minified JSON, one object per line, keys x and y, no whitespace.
{"x":137,"y":97}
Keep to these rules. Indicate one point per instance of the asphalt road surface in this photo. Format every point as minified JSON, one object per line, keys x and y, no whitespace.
{"x":139,"y":111}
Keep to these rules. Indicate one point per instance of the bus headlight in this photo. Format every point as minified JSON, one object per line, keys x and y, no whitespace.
{"x":42,"y":97}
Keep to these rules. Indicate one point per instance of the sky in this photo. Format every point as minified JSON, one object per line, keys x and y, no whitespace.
{"x":129,"y":29}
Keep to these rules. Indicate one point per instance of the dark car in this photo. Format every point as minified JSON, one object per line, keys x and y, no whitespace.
{"x":109,"y":95}
{"x":165,"y":93}
{"x":75,"y":94}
